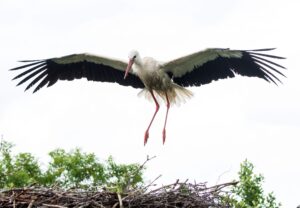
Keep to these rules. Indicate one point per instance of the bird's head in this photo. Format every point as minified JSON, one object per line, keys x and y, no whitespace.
{"x":134,"y":57}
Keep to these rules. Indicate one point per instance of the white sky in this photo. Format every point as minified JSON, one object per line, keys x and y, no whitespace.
{"x":226,"y":121}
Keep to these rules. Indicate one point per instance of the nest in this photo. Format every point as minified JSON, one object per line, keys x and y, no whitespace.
{"x":179,"y":194}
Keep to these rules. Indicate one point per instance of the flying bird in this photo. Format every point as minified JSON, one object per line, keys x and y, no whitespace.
{"x":165,"y":80}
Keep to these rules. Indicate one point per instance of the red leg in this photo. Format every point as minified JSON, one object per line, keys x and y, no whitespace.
{"x":164,"y":130}
{"x":157,"y":108}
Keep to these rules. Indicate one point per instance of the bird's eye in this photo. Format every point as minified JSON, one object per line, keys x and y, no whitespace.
{"x":134,"y":56}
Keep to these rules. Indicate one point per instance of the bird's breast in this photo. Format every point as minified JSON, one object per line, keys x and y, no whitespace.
{"x":156,"y":80}
{"x":147,"y":65}
{"x":152,"y":75}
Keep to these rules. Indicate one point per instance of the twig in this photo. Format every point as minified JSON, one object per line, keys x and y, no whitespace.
{"x":126,"y":188}
{"x":120,"y":203}
{"x":54,"y":206}
{"x":31,"y":203}
{"x":14,"y":199}
{"x":219,"y":177}
{"x":150,"y":184}
{"x":233,"y":183}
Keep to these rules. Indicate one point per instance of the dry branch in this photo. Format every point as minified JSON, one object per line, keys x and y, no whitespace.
{"x":178,"y":194}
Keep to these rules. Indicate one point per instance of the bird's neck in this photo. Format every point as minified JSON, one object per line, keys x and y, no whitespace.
{"x":138,"y":61}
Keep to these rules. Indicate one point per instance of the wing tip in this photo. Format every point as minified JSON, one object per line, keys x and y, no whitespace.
{"x":254,"y":52}
{"x":262,"y":49}
{"x":35,"y":90}
{"x":32,"y":63}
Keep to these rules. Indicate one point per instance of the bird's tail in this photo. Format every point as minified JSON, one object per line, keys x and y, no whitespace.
{"x":176,"y":95}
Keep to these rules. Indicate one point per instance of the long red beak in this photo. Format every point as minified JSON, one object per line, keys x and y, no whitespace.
{"x":130,"y":63}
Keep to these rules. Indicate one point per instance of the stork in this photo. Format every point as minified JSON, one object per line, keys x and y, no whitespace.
{"x":156,"y":79}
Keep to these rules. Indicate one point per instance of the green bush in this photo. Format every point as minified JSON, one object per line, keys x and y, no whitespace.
{"x":249,"y":193}
{"x":74,"y":169}
{"x":122,"y":177}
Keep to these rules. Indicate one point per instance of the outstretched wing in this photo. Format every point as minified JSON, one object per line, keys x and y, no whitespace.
{"x":76,"y":66}
{"x":213,"y":64}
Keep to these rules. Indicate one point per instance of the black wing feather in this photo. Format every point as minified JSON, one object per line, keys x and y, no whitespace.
{"x":28,"y":65}
{"x":29,"y":70}
{"x":251,"y":64}
{"x":34,"y":73}
{"x":48,"y":72}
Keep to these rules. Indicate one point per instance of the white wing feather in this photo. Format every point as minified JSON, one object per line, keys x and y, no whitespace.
{"x":114,"y":63}
{"x":186,"y":64}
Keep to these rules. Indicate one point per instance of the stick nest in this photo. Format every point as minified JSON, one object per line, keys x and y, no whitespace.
{"x":179,"y":194}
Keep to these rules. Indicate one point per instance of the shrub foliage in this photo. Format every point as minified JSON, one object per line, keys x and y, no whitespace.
{"x":74,"y":169}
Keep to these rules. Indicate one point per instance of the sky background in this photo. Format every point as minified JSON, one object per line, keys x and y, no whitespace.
{"x":207,"y":137}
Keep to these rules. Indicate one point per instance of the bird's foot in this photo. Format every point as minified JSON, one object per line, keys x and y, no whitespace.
{"x":164,"y":136}
{"x":146,"y":137}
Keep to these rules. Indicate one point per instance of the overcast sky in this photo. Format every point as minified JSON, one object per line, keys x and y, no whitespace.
{"x":208,"y":137}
